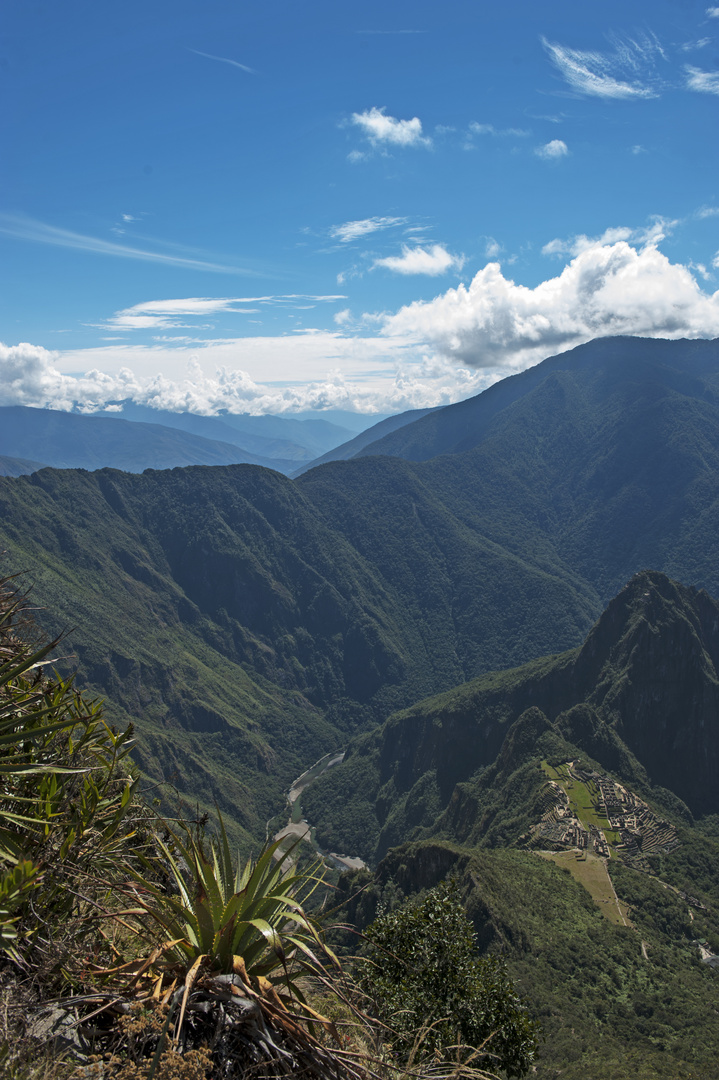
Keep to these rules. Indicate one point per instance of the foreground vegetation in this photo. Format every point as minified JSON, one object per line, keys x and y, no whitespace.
{"x":135,"y":947}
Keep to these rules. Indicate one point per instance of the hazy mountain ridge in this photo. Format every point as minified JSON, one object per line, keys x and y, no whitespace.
{"x":366,"y":438}
{"x":75,"y":441}
{"x":287,"y":438}
{"x":140,"y":438}
{"x":12,"y":466}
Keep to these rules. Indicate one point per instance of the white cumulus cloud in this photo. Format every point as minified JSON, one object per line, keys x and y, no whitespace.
{"x":364,"y":374}
{"x":552,"y":151}
{"x":653,"y":233}
{"x":29,"y":376}
{"x":432,"y":260}
{"x":606,"y":290}
{"x":383,"y":130}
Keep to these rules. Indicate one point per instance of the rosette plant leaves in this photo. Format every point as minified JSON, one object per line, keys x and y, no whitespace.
{"x":231,"y":917}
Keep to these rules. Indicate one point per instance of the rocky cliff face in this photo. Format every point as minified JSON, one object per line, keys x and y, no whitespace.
{"x":651,"y":668}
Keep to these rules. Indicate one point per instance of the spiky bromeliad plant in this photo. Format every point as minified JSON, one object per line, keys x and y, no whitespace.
{"x":238,"y":941}
{"x":252,"y":917}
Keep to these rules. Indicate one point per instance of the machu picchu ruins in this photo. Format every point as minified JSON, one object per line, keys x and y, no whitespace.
{"x":583,"y":809}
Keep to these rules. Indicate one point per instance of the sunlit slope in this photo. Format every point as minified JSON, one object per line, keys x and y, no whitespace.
{"x":243,"y":633}
{"x":613,"y":1000}
{"x":123,"y":563}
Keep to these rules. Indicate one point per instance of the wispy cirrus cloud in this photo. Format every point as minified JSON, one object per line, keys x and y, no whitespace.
{"x":628,"y":72}
{"x":390,"y":31}
{"x":24,"y":228}
{"x":224,"y":60}
{"x":355,"y":230}
{"x":432,"y":261}
{"x":705,"y":82}
{"x":165,"y":314}
{"x":383,"y":130}
{"x":476,"y":128}
{"x":552,"y":151}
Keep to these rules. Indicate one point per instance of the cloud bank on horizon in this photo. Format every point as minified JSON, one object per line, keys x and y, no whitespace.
{"x":433,"y":352}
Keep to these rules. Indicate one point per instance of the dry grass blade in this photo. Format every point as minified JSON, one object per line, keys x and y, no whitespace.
{"x":189,"y":983}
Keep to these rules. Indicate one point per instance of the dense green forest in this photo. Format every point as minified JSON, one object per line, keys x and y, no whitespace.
{"x":612,"y":1000}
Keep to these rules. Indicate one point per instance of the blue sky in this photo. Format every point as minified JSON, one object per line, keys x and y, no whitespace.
{"x":280,"y":206}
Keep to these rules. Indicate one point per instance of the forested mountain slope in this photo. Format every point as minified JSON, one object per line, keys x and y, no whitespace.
{"x":614,"y":944}
{"x":599,"y":368}
{"x":596,"y":463}
{"x":200,"y":598}
{"x":298,"y":611}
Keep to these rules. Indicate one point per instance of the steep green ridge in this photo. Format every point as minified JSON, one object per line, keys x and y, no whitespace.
{"x":690,"y":367}
{"x":640,"y":698}
{"x":592,"y":465}
{"x":464,"y":776}
{"x":110,"y":553}
{"x":201,"y":597}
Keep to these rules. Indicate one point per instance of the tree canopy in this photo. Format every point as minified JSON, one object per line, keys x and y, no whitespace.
{"x":424,"y":976}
